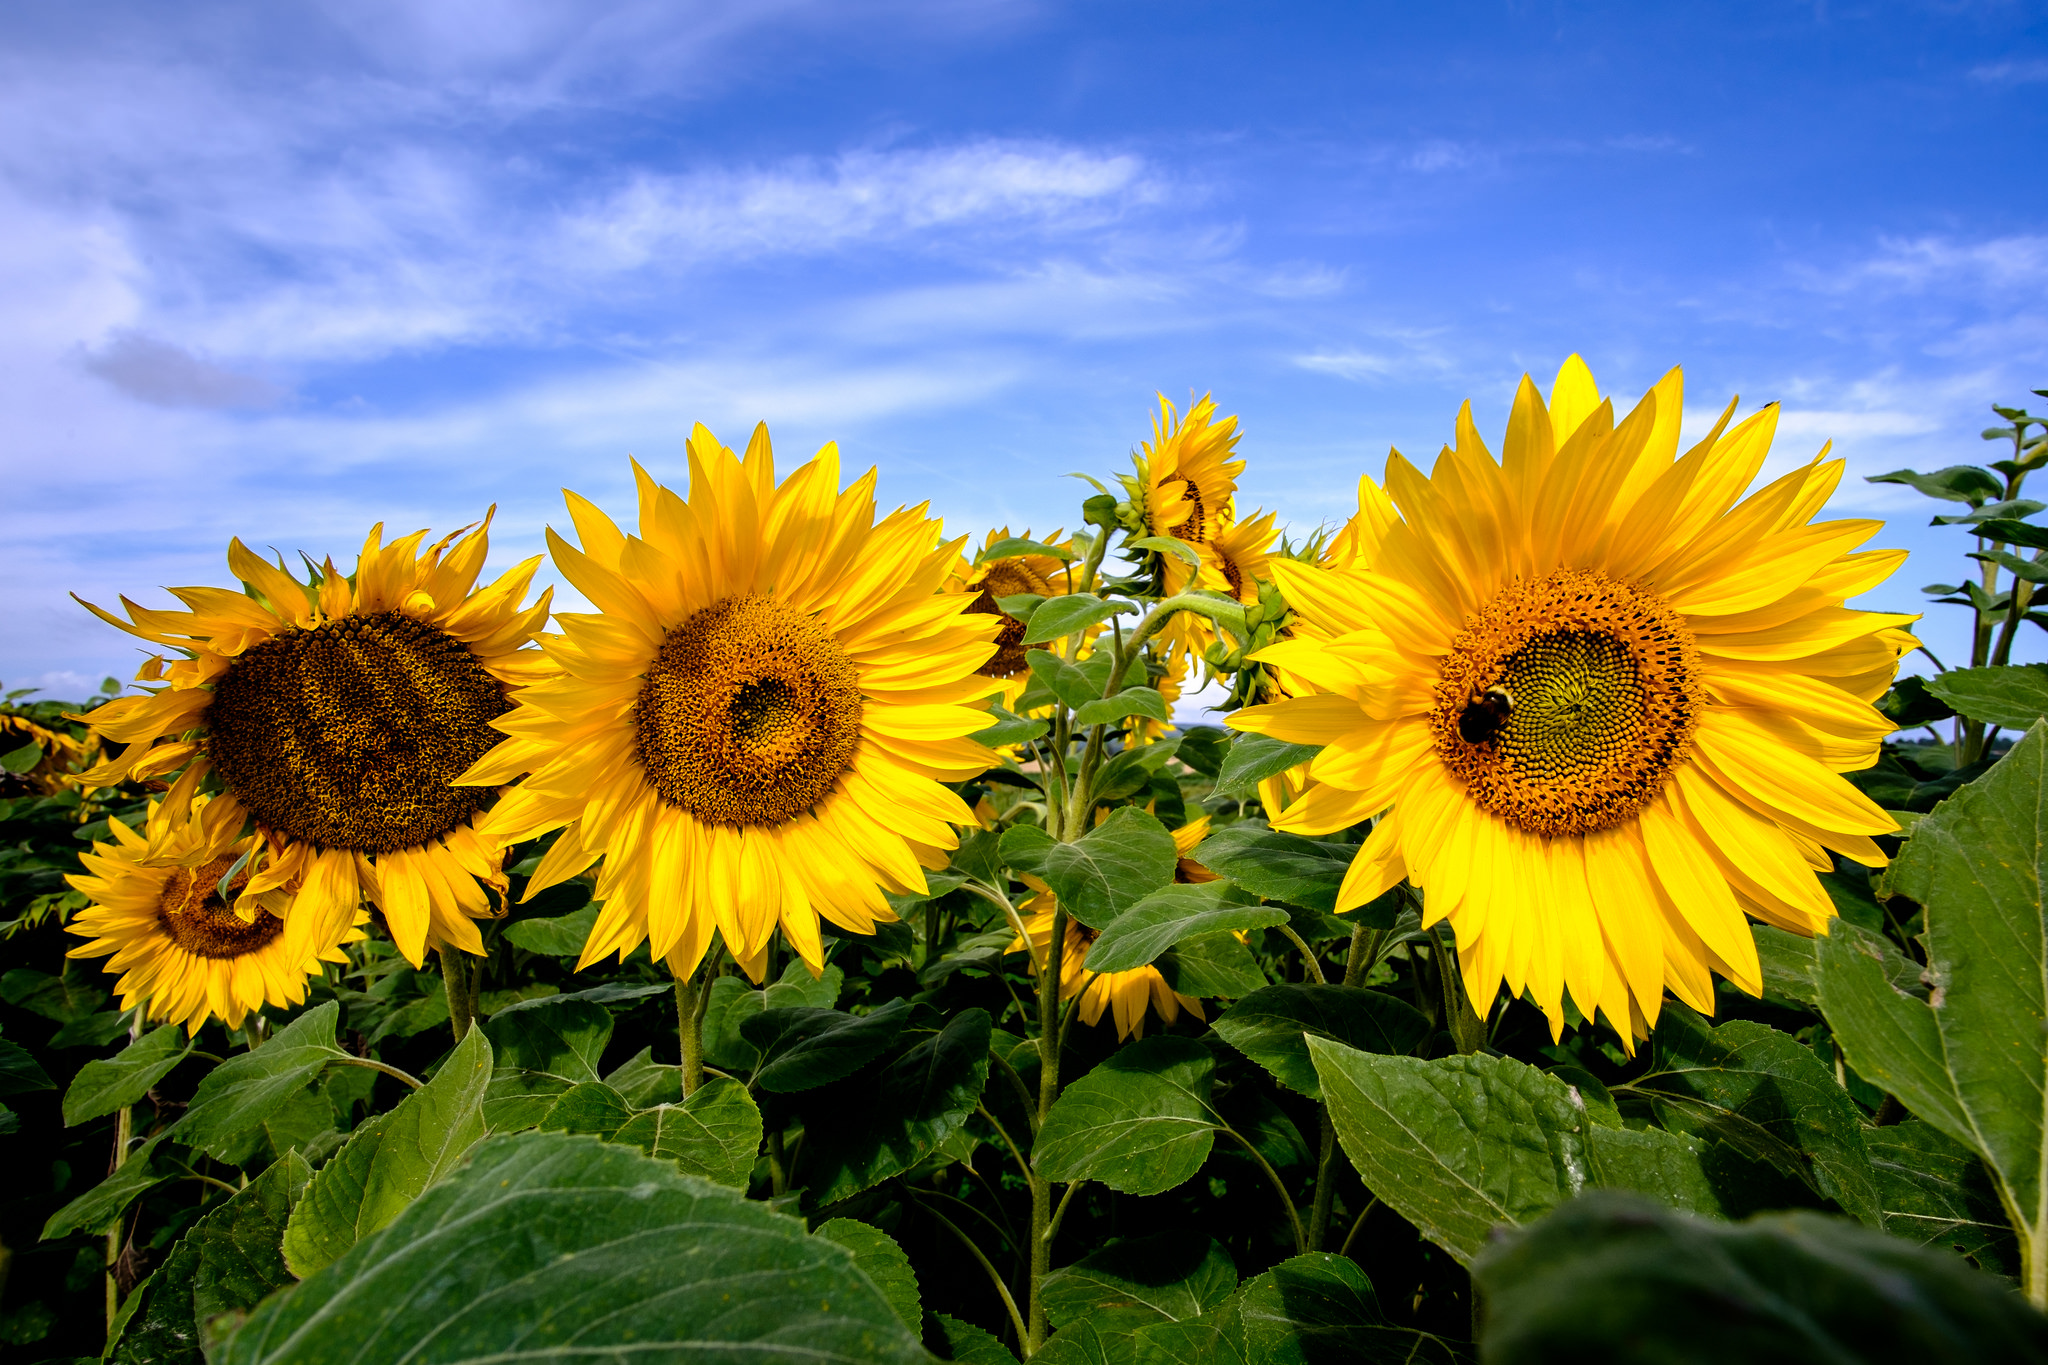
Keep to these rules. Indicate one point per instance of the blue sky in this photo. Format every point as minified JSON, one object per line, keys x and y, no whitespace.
{"x":281,"y":270}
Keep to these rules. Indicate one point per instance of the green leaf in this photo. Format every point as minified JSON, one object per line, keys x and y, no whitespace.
{"x":1909,"y":703}
{"x":91,"y":1030}
{"x":561,"y":936}
{"x":247,"y":1088}
{"x":1957,"y":483}
{"x":1073,"y":684}
{"x":1106,"y":871}
{"x":802,"y":1048}
{"x":715,"y":1134}
{"x":1272,"y":1027}
{"x":592,"y":1107}
{"x":1169,"y":545}
{"x":1280,"y":867}
{"x":1463,"y":1143}
{"x":882,"y":1261}
{"x":1612,"y":1277}
{"x":1005,"y":728}
{"x":392,"y":1158}
{"x":1132,"y":701}
{"x":102,"y":1086}
{"x":733,"y":1003}
{"x":1169,"y":915}
{"x":1018,"y":606}
{"x":22,"y":759}
{"x":2027,"y":570}
{"x":1059,"y":616}
{"x":971,"y":1345}
{"x":2013,"y":532}
{"x":100,"y":1208}
{"x":302,"y":1123}
{"x":1134,"y":1283}
{"x":1321,"y":1307}
{"x":1214,"y":966}
{"x":1140,"y":1122}
{"x":1013,"y":546}
{"x":557,"y":1037}
{"x":226,"y":1263}
{"x":1766,"y":1096}
{"x":1131,"y":771}
{"x":1970,"y":1060}
{"x":882,"y":1125}
{"x":2015,"y":696}
{"x":1254,"y":758}
{"x":62,"y":998}
{"x":1791,"y":969}
{"x":21,"y":1073}
{"x":551,"y":1248}
{"x":644,"y":1082}
{"x":1936,"y":1192}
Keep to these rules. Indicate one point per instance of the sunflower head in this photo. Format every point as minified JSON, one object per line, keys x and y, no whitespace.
{"x":1596,"y":702}
{"x":1011,"y":575}
{"x":1126,"y":996}
{"x":1184,"y":483}
{"x":187,"y":951}
{"x":754,"y":729}
{"x":332,"y":715}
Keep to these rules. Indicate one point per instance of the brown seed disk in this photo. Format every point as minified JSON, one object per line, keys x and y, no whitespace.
{"x":347,"y":735}
{"x":749,"y":713}
{"x":1006,"y":578}
{"x":199,"y":921}
{"x":1603,"y":693}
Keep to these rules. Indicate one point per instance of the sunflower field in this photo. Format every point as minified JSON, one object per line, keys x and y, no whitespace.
{"x":1578,"y":940}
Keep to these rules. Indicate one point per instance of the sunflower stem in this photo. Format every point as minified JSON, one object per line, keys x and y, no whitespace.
{"x":1364,"y":951}
{"x":690,"y":1029}
{"x":460,"y":983}
{"x":124,"y":1129}
{"x":1048,"y":1091}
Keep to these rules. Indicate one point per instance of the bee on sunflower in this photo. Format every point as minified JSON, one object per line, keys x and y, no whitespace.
{"x":333,"y":715}
{"x":1597,"y":703}
{"x":184,"y":951}
{"x":754,"y":729}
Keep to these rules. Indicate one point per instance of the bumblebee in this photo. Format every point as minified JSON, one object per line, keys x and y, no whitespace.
{"x":1485,"y":714}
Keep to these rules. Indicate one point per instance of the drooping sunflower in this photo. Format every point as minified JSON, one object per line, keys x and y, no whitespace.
{"x":1600,"y":708}
{"x":334,"y":714}
{"x":995,"y":579}
{"x":754,"y":728}
{"x":157,"y":914}
{"x":1125,"y":995}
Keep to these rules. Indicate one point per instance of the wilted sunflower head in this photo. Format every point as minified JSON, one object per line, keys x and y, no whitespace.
{"x":753,"y":729}
{"x":1597,"y":702}
{"x":184,"y":950}
{"x":333,"y":714}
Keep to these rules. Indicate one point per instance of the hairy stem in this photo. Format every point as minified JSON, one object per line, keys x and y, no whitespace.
{"x":459,"y":977}
{"x":690,"y":1029}
{"x":1048,"y":1091}
{"x":124,"y":1129}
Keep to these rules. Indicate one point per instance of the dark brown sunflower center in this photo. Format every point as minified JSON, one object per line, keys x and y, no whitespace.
{"x":1233,"y":574}
{"x":1196,"y":528}
{"x":1006,"y":578}
{"x":196,"y":919}
{"x":347,"y":735}
{"x":749,"y":713}
{"x":1565,"y":704}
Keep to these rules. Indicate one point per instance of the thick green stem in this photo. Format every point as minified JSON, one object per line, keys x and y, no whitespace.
{"x":124,"y":1129}
{"x":1358,"y":961}
{"x":459,"y":976}
{"x":1042,"y":1227}
{"x":690,"y":1028}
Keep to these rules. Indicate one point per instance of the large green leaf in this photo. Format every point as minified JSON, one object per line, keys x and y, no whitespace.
{"x":1103,"y":873}
{"x":1254,"y":758}
{"x":226,"y":1263}
{"x":1791,"y":968}
{"x":1133,"y":1284}
{"x":102,"y":1086}
{"x":542,"y":1049}
{"x":804,"y":1047}
{"x":1140,"y":1122}
{"x":1211,"y":966}
{"x":1058,"y":616}
{"x":1765,"y":1095}
{"x":964,"y":1342}
{"x":715,"y":1134}
{"x":556,"y":1248}
{"x":391,"y":1159}
{"x":1172,"y":913}
{"x":1143,"y":702}
{"x":1272,"y":1027}
{"x":733,"y":1002}
{"x":592,"y":1107}
{"x":1936,"y":1192}
{"x":1462,"y":1144}
{"x":247,"y":1088}
{"x":1315,"y":1309}
{"x":882,"y":1261}
{"x":1972,"y":1059}
{"x":645,"y":1082}
{"x":99,"y":1208}
{"x":21,"y":1073}
{"x":1075,"y":684}
{"x":866,"y":1129}
{"x":561,"y":936}
{"x":1616,"y":1277}
{"x":2015,"y":696}
{"x":1278,"y":866}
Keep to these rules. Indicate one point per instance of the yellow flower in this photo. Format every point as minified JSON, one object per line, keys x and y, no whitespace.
{"x":1185,"y":840}
{"x":1045,"y":575}
{"x":1186,"y":487}
{"x":335,"y":714}
{"x":1125,"y":994}
{"x":1600,"y":708}
{"x":1235,"y":558}
{"x":755,"y":728}
{"x":158,"y":914}
{"x":62,"y":756}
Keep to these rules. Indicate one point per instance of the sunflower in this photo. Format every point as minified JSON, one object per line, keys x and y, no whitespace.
{"x":755,"y":728}
{"x":1126,"y":994}
{"x":1600,"y":708}
{"x":1235,"y":558}
{"x":1185,"y":486}
{"x":334,"y":714}
{"x":184,"y":951}
{"x":62,"y":755}
{"x":995,"y":579}
{"x":1186,"y":839}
